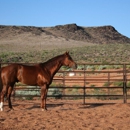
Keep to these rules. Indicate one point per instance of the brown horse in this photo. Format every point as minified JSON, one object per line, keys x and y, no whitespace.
{"x":37,"y":75}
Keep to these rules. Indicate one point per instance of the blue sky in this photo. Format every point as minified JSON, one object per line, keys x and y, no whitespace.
{"x":46,"y":13}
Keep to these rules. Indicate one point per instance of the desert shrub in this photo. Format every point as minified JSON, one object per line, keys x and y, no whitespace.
{"x":119,"y":84}
{"x":102,"y":67}
{"x":90,"y":67}
{"x":128,"y":84}
{"x":106,"y":84}
{"x":92,"y":85}
{"x":56,"y":92}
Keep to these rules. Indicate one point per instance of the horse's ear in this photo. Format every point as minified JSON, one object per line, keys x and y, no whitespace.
{"x":66,"y":53}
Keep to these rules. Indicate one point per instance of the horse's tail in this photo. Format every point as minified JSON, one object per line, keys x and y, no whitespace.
{"x":1,"y":85}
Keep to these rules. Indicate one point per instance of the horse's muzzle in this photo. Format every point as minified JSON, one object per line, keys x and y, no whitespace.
{"x":74,"y":66}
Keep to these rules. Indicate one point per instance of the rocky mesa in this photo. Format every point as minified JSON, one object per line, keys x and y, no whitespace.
{"x":100,"y":35}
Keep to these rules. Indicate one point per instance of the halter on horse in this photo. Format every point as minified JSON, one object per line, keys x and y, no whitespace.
{"x":37,"y":75}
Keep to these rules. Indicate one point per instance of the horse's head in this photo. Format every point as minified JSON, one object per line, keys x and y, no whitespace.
{"x":69,"y":61}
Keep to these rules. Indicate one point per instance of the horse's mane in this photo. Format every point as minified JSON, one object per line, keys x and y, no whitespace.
{"x":53,"y":61}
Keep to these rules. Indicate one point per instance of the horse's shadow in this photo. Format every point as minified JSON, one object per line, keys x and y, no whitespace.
{"x":94,"y":105}
{"x":50,"y":105}
{"x":84,"y":106}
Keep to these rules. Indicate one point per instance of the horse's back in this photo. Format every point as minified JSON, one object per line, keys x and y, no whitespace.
{"x":19,"y":73}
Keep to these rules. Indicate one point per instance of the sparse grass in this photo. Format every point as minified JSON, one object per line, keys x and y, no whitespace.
{"x":105,"y":54}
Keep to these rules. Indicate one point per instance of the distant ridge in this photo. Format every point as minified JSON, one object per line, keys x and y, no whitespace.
{"x":100,"y":35}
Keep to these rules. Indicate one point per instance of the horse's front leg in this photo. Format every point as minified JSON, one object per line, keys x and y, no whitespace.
{"x":44,"y":90}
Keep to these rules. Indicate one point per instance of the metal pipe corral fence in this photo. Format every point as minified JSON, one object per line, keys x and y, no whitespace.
{"x":88,"y":81}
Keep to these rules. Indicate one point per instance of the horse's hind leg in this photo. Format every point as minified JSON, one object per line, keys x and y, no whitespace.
{"x":0,"y":102}
{"x":4,"y":90}
{"x":9,"y":96}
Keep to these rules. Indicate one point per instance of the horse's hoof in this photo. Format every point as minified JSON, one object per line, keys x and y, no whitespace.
{"x":44,"y":109}
{"x":1,"y":106}
{"x":11,"y":109}
{"x":1,"y":109}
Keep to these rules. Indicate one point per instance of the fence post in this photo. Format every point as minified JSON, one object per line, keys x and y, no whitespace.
{"x":63,"y":84}
{"x":124,"y":84}
{"x":108,"y":85}
{"x":84,"y":88}
{"x":0,"y":79}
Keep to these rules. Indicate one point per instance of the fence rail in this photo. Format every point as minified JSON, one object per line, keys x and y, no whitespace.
{"x":85,"y":83}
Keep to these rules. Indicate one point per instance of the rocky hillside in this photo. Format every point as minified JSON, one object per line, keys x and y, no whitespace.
{"x":101,"y":35}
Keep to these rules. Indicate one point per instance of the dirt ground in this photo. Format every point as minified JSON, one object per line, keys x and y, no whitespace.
{"x":66,"y":115}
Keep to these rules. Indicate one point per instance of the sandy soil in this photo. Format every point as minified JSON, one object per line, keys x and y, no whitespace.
{"x":65,"y":115}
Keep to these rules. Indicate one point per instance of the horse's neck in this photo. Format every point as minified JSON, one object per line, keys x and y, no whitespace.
{"x":53,"y":67}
